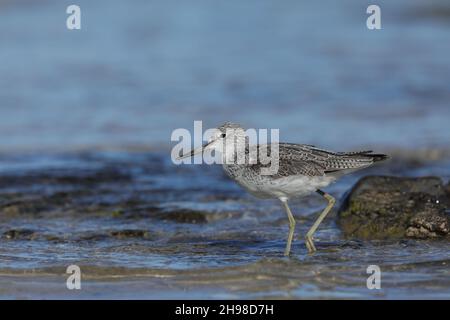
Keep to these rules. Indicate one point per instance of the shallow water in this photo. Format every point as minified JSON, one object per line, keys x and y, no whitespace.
{"x":137,"y":222}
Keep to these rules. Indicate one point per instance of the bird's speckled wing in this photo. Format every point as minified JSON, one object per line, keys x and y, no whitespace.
{"x":301,"y":159}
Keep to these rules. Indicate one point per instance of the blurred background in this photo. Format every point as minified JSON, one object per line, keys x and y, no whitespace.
{"x":139,"y":69}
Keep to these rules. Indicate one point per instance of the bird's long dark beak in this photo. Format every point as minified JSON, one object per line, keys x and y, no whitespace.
{"x":195,"y":151}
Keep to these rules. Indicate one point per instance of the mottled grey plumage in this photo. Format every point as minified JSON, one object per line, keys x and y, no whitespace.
{"x":311,"y":161}
{"x":302,"y":169}
{"x":307,"y":160}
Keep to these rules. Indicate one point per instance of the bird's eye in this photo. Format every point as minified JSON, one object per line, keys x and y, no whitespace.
{"x":223,"y":135}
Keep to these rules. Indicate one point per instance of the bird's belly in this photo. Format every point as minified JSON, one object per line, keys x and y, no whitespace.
{"x":289,"y":187}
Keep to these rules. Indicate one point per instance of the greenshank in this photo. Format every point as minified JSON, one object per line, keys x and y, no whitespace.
{"x":302,"y":169}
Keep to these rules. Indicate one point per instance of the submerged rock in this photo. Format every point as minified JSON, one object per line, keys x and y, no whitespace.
{"x":380,"y":207}
{"x":130,"y":233}
{"x":185,"y":216}
{"x":19,"y":234}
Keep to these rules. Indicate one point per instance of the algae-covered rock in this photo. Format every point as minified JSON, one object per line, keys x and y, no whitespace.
{"x":425,"y":225}
{"x":19,"y":234}
{"x":381,"y":207}
{"x":185,"y":216}
{"x":130,"y":233}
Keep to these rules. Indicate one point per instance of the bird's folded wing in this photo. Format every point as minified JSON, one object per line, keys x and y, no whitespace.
{"x":300,"y":159}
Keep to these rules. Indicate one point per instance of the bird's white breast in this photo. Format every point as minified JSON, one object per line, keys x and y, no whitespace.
{"x":288,"y":187}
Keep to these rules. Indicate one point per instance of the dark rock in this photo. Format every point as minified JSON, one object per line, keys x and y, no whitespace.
{"x":91,"y":177}
{"x":118,"y":234}
{"x":184,"y":216}
{"x":137,"y":212}
{"x":87,"y":177}
{"x":130,"y":233}
{"x":93,"y":236}
{"x":428,"y":225}
{"x":24,"y":206}
{"x":34,"y":205}
{"x":381,"y":207}
{"x":19,"y":234}
{"x":54,"y":238}
{"x":447,"y":189}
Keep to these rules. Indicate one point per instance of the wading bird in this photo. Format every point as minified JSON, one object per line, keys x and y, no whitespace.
{"x":302,"y":170}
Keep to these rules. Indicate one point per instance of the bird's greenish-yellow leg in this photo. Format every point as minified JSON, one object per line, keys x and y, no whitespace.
{"x":309,"y":236}
{"x":291,"y":227}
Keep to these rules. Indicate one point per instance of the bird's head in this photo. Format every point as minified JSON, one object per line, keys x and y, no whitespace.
{"x":226,"y":137}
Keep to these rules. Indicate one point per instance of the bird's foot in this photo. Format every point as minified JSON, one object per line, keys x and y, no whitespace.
{"x":287,"y":251}
{"x":310,"y":244}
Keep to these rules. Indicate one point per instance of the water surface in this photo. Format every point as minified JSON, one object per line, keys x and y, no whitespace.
{"x":138,"y":222}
